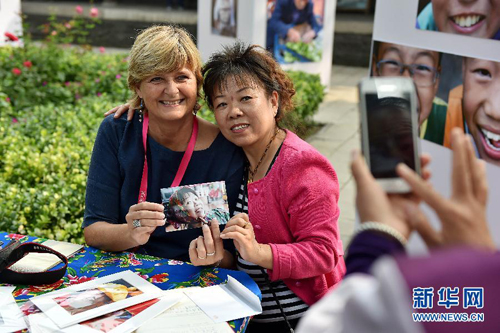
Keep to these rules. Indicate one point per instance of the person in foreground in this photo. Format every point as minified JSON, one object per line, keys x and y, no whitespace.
{"x":287,"y":230}
{"x":388,"y":294}
{"x":132,"y":161}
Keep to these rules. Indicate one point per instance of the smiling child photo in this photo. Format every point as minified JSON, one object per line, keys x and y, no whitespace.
{"x":474,"y":18}
{"x":192,"y":206}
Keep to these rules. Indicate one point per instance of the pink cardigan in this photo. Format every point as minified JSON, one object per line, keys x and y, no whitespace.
{"x":294,"y":210}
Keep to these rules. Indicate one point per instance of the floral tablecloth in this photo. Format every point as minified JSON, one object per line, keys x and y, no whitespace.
{"x":91,"y":263}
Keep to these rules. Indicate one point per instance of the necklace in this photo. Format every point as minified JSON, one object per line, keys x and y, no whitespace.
{"x":251,"y":173}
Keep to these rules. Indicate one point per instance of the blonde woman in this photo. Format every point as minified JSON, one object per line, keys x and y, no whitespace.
{"x":164,"y":145}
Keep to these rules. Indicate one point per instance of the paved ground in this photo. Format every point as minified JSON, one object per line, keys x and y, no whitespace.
{"x":340,"y":135}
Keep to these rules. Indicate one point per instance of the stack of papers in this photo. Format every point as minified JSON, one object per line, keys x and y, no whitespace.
{"x":206,"y":310}
{"x":11,"y":317}
{"x":124,"y":302}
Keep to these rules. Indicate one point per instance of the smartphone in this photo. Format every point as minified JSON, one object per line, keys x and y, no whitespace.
{"x":389,"y":129}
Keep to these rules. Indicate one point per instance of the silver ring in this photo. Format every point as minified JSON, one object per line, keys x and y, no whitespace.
{"x":211,"y":254}
{"x":136,"y":223}
{"x":202,"y":258}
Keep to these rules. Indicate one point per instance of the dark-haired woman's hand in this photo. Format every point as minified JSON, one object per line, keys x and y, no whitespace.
{"x":207,"y":249}
{"x":240,"y":230}
{"x":121,"y":109}
{"x":142,"y":219}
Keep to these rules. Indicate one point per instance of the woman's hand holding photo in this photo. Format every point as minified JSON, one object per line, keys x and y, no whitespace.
{"x":240,"y":230}
{"x":207,"y":249}
{"x":142,"y":220}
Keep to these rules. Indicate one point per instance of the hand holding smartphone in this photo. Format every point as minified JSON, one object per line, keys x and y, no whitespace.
{"x":389,"y":129}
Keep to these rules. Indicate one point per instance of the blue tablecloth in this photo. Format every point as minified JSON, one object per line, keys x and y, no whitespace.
{"x":90,"y":263}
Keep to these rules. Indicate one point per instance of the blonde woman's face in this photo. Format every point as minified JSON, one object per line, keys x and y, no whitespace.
{"x":169,"y":96}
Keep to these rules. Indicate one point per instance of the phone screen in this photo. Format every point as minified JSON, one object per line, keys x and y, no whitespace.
{"x":389,"y":134}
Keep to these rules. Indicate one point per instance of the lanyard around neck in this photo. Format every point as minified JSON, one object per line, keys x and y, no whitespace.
{"x":184,"y":162}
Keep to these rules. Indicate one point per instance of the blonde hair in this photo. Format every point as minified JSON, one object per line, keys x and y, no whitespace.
{"x":162,"y":48}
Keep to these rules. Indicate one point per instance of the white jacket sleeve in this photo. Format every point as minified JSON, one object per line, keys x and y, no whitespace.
{"x":364,"y":303}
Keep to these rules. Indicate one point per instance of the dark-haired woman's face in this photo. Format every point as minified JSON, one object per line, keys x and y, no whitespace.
{"x":193,"y":205}
{"x":245,"y":114}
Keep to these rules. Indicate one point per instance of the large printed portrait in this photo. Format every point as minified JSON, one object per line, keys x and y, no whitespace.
{"x":224,"y":17}
{"x":192,"y":206}
{"x":474,"y":18}
{"x":295,"y":30}
{"x":452,"y":91}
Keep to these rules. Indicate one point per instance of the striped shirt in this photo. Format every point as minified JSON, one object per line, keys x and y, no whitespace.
{"x":292,"y":305}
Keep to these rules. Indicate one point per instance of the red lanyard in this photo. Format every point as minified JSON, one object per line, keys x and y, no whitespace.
{"x":184,"y":162}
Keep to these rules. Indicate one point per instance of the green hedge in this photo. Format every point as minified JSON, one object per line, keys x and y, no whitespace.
{"x":50,"y":110}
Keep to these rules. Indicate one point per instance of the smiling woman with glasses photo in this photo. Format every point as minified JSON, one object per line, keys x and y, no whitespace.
{"x":424,"y":67}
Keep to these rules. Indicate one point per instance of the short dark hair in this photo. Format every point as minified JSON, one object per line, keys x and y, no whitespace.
{"x":248,"y":64}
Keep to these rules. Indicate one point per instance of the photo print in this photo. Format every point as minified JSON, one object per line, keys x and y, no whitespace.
{"x":84,"y":300}
{"x":295,"y":30}
{"x":192,"y":206}
{"x":452,"y":91}
{"x":112,"y":320}
{"x":95,"y":298}
{"x":474,"y":18}
{"x":224,"y":17}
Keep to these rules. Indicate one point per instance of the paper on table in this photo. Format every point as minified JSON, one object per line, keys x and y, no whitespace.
{"x":184,"y":317}
{"x":40,"y":262}
{"x":11,"y":317}
{"x":122,"y":321}
{"x":94,"y":298}
{"x":225,"y":302}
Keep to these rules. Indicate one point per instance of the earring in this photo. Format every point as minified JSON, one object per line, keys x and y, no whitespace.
{"x":141,"y":108}
{"x":196,"y":108}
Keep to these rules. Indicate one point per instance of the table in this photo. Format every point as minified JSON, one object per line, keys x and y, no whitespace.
{"x":91,"y":263}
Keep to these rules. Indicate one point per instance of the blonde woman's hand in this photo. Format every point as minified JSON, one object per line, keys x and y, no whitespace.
{"x":463,"y":215}
{"x":147,"y":216}
{"x":209,"y":248}
{"x":121,"y":109}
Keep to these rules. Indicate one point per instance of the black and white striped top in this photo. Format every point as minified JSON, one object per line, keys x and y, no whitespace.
{"x":292,"y":305}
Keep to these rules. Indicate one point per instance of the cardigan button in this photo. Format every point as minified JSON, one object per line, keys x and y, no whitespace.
{"x":298,"y":284}
{"x":257,"y":226}
{"x":255,"y":190}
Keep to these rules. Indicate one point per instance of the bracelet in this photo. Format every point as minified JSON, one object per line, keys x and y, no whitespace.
{"x":217,"y":263}
{"x":384,"y":228}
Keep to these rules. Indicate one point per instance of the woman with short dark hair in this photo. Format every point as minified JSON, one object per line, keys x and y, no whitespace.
{"x":287,"y":228}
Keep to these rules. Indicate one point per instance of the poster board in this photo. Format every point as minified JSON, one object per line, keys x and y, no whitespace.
{"x":396,"y":24}
{"x":249,"y":21}
{"x":10,"y":21}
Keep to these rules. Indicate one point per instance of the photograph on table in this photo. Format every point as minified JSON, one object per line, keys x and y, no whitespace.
{"x":192,"y":206}
{"x":224,"y":17}
{"x":295,"y":30}
{"x":452,"y":91}
{"x":122,"y":321}
{"x":94,"y":298}
{"x":84,"y":300}
{"x":474,"y":18}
